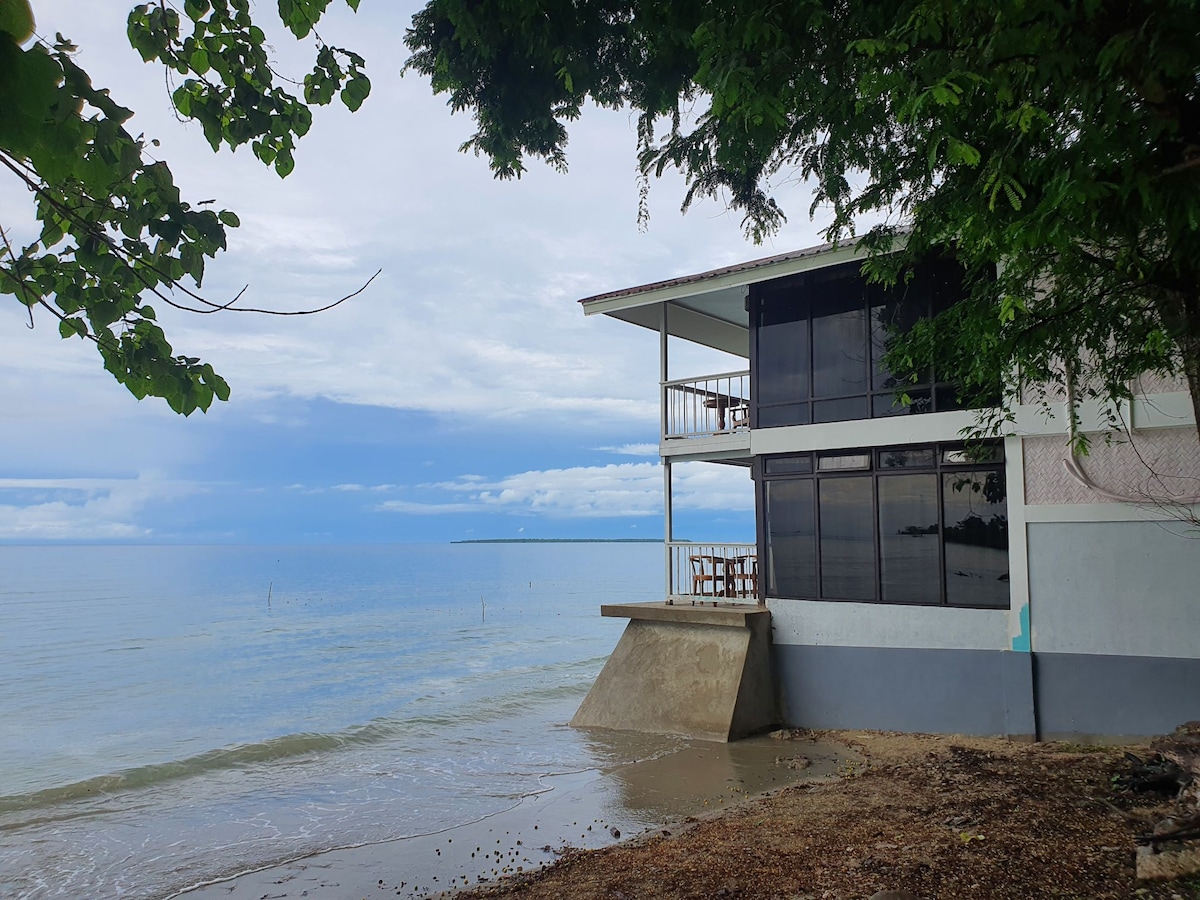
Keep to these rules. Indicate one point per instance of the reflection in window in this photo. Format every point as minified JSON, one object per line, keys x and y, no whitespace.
{"x":834,"y":462}
{"x":791,"y":537}
{"x":977,"y":455}
{"x":820,"y":338}
{"x":908,"y":538}
{"x":897,"y":458}
{"x":892,"y":312}
{"x":895,"y":524}
{"x":976,"y":538}
{"x":847,"y":539}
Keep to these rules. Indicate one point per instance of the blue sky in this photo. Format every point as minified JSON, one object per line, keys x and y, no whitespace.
{"x":463,"y":395}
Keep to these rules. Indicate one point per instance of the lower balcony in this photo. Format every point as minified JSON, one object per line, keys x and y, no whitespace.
{"x":712,"y":573}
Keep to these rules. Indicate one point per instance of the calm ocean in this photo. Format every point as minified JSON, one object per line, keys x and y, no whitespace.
{"x":169,"y":715}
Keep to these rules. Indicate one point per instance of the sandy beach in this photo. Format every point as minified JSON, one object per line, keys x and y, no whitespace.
{"x":945,"y":817}
{"x":574,"y":811}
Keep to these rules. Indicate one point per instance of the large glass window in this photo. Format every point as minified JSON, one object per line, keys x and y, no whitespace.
{"x":976,"y":538}
{"x":924,"y":525}
{"x":791,"y":538}
{"x":820,"y":337}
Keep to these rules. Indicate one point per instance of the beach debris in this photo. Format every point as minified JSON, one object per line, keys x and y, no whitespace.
{"x":1170,"y":848}
{"x":789,"y":734}
{"x":614,"y":831}
{"x":793,"y":762}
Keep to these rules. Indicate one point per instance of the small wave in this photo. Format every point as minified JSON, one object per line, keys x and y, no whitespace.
{"x":237,"y":756}
{"x":290,"y":746}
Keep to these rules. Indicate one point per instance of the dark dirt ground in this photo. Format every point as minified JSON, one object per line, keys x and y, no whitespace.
{"x":943,"y":817}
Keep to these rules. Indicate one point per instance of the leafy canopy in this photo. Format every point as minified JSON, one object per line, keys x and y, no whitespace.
{"x":115,"y":234}
{"x":1055,"y":144}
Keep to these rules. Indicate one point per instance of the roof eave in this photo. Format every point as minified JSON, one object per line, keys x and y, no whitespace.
{"x":741,"y":275}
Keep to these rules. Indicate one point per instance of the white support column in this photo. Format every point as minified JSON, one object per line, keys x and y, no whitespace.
{"x":662,"y":371}
{"x":668,"y":525}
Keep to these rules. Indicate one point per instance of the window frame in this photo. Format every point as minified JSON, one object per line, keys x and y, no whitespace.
{"x":805,"y":288}
{"x":874,"y":472}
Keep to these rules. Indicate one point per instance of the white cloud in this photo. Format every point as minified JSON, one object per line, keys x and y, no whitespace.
{"x":413,"y":508}
{"x":631,"y":450}
{"x":475,"y":312}
{"x":617,"y":490}
{"x":474,"y":319}
{"x":36,"y":509}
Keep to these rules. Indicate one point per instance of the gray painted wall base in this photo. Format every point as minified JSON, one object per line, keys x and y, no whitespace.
{"x":700,"y":671}
{"x":985,"y":692}
{"x":1089,"y":695}
{"x":988,"y":692}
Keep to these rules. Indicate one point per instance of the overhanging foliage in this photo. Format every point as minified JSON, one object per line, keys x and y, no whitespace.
{"x":116,"y":236}
{"x":1055,"y":144}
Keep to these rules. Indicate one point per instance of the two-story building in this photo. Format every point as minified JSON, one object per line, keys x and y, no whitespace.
{"x":908,"y":584}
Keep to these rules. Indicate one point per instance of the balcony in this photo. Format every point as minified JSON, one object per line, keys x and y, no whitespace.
{"x":706,"y":407}
{"x":712,"y":573}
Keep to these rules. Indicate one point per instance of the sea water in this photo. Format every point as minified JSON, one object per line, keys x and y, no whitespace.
{"x":170,"y":715}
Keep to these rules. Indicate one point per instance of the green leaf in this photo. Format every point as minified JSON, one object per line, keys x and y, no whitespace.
{"x":196,"y":9}
{"x":284,"y":164}
{"x":355,"y":92}
{"x":72,"y":327}
{"x":960,"y":152}
{"x":198,"y":61}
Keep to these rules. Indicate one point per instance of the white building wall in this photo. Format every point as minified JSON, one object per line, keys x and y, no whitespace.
{"x":1115,"y":588}
{"x":841,"y":624}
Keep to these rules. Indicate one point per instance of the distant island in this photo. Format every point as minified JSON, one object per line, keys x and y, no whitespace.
{"x":562,"y":541}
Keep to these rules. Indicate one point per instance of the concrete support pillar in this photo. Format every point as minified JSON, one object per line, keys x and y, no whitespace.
{"x":699,"y":671}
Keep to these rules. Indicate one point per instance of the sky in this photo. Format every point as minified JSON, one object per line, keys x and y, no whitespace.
{"x":463,"y":395}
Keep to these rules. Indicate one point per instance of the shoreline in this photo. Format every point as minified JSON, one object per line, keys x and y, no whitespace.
{"x":586,"y":810}
{"x":918,"y":816}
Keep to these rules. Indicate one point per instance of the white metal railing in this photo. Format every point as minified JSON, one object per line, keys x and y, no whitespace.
{"x":713,"y":404}
{"x":712,"y":572}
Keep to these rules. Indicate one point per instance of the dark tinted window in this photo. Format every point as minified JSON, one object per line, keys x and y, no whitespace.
{"x":976,"y":538}
{"x":791,"y":538}
{"x":922,"y":525}
{"x":820,"y":338}
{"x":908,"y":538}
{"x":847,"y":538}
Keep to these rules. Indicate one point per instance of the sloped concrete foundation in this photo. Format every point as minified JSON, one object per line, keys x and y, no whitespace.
{"x":700,"y":671}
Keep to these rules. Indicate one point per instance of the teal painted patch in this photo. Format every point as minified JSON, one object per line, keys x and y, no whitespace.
{"x":1020,"y":643}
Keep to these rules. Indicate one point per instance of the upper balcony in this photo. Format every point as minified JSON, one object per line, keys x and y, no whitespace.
{"x":708,"y":417}
{"x":707,"y":406}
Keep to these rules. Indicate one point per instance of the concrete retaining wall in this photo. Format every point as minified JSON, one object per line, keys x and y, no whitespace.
{"x":699,"y":671}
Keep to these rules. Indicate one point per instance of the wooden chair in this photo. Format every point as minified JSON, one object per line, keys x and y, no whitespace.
{"x":739,"y":416}
{"x":742,"y":576}
{"x":707,"y":572}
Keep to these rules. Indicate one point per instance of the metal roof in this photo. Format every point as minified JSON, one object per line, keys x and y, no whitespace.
{"x":736,"y":269}
{"x":709,"y":307}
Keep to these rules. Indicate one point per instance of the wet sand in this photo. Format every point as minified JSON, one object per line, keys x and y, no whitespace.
{"x":578,"y":810}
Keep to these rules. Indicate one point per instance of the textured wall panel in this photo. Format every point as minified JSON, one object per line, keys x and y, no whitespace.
{"x":1144,"y":385}
{"x":1159,"y":462}
{"x":1158,"y":384}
